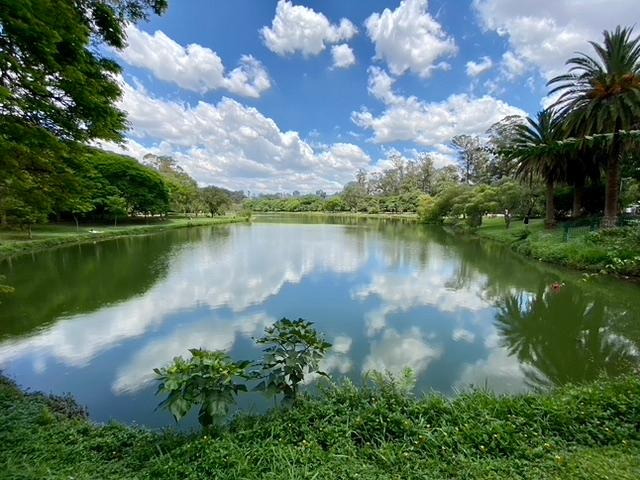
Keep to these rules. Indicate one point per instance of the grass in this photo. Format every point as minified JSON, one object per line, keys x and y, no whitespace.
{"x":606,"y":251}
{"x":48,"y":236}
{"x":371,"y":432}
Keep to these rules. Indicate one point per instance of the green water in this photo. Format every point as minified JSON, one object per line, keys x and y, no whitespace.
{"x":94,"y":320}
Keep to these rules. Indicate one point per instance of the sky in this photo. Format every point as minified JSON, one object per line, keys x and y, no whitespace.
{"x":273,"y":96}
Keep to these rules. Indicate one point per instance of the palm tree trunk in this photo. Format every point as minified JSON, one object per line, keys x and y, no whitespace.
{"x":612,"y":193}
{"x":550,"y":213}
{"x":578,"y":194}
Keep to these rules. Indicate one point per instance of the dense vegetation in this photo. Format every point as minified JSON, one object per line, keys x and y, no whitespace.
{"x":57,"y":95}
{"x":379,"y":430}
{"x":578,"y":158}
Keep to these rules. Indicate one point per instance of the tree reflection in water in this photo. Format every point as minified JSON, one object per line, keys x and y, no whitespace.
{"x":565,"y":336}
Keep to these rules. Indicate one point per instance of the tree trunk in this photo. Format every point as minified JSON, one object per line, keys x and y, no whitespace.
{"x":612,"y":192}
{"x":550,"y":213}
{"x":578,"y":194}
{"x":30,"y":233}
{"x":75,"y":217}
{"x":115,"y":220}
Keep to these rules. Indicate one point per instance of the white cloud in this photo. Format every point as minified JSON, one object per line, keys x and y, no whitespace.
{"x":545,"y":33}
{"x":343,"y":56}
{"x":462,"y":335}
{"x":395,"y":352}
{"x":430,"y":124}
{"x":475,"y":69}
{"x":499,"y":372}
{"x":193,"y":67}
{"x":235,"y":146}
{"x":296,"y":28}
{"x":409,"y":38}
{"x":215,"y":334}
{"x":512,"y":66}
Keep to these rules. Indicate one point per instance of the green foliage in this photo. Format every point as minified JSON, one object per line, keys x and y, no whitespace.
{"x":610,"y":250}
{"x":388,"y":383}
{"x":346,"y":432}
{"x":429,"y":210}
{"x":52,"y":76}
{"x":183,"y":190}
{"x":335,"y":204}
{"x":292,"y":350}
{"x":207,"y":379}
{"x":215,"y":200}
{"x":143,"y":189}
{"x":601,"y":95}
{"x":116,"y":206}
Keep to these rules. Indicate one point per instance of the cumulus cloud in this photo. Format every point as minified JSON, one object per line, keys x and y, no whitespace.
{"x":545,"y":33}
{"x":430,"y":124}
{"x":343,"y":56}
{"x":193,"y":67}
{"x":230,"y":144}
{"x":499,"y":371}
{"x":512,"y":66}
{"x":296,"y":28}
{"x":475,"y":69}
{"x":410,"y":39}
{"x":394,"y":352}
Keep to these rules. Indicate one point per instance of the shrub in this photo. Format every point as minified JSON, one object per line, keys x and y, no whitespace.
{"x":293,"y":349}
{"x":208,"y":379}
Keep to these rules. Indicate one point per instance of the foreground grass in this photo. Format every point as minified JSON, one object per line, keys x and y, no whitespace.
{"x":615,"y":251}
{"x":47,"y":236}
{"x":345,"y":433}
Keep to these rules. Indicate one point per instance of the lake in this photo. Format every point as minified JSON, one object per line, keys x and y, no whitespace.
{"x":94,"y":320}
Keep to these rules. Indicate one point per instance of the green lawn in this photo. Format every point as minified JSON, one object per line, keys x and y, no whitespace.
{"x":589,"y":432}
{"x":609,"y":251}
{"x":13,"y":242}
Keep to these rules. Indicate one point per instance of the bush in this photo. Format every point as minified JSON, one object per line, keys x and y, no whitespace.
{"x":208,"y":379}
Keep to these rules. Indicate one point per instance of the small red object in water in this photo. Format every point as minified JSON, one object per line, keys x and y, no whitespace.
{"x":556,"y":287}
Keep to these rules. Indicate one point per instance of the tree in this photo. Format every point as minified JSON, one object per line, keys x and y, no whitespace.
{"x":117,"y":206}
{"x":216,"y":199}
{"x":473,"y":158}
{"x":352,"y":195}
{"x":183,"y":190}
{"x":534,"y":147}
{"x":52,"y":77}
{"x":601,"y":95}
{"x":143,"y":188}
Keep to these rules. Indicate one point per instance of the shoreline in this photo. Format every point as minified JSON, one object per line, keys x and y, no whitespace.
{"x":385,"y":216}
{"x":608,"y":256}
{"x":345,"y":432}
{"x":13,"y":248}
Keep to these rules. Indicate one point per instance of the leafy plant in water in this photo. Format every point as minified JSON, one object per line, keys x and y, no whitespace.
{"x":293,"y":350}
{"x":208,"y":379}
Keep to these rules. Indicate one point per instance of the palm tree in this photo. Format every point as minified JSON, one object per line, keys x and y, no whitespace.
{"x":583,"y":163}
{"x":564,"y":336}
{"x":535,"y":147}
{"x":601,"y":95}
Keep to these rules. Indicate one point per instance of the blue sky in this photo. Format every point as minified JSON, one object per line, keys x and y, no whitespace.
{"x":267,"y":95}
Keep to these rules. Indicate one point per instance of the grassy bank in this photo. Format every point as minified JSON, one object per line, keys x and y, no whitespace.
{"x":47,"y":236}
{"x":616,"y":251}
{"x":345,"y":433}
